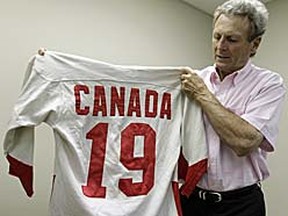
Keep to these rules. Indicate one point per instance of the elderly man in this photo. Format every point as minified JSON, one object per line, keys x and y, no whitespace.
{"x":241,"y":104}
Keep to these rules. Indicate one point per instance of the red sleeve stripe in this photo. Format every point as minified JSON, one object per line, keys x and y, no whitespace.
{"x":24,"y":172}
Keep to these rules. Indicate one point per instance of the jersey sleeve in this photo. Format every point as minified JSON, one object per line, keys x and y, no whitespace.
{"x":193,"y":159}
{"x":34,"y":105}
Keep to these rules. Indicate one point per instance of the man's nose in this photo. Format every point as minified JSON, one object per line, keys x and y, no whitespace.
{"x":222,"y":43}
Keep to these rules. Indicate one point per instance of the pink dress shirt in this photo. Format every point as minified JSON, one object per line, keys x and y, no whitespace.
{"x":257,"y":95}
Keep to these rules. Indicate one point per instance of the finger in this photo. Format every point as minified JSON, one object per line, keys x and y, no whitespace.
{"x":185,"y":76}
{"x":187,"y":70}
{"x":42,"y":51}
{"x":184,"y":81}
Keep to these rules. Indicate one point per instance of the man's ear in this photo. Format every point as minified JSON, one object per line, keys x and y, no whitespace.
{"x":254,"y":45}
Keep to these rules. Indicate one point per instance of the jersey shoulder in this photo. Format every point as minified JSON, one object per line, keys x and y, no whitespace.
{"x":56,"y":66}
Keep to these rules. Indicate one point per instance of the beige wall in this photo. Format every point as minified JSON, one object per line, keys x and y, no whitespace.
{"x":273,"y":54}
{"x":146,"y":32}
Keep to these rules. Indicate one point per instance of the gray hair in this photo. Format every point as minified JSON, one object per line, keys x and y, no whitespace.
{"x":255,"y":10}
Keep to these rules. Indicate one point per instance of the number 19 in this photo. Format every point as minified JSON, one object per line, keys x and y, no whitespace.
{"x":98,"y":135}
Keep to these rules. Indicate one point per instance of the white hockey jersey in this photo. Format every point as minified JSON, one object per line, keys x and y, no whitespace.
{"x":118,"y":132}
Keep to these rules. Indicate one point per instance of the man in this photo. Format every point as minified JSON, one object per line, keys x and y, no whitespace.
{"x":241,"y":105}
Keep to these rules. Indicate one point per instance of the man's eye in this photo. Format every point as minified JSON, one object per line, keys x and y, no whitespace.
{"x":233,"y":40}
{"x":217,"y":37}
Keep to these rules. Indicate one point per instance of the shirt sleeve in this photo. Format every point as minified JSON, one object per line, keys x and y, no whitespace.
{"x":264,"y":110}
{"x":34,"y":105}
{"x":193,"y":158}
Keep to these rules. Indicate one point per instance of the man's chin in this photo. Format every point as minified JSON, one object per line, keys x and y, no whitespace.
{"x":223,"y":60}
{"x":221,"y":65}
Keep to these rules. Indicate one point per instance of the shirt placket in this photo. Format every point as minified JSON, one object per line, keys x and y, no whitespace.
{"x":219,"y":89}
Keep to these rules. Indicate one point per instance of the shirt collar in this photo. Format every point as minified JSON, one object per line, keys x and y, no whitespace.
{"x":235,"y":77}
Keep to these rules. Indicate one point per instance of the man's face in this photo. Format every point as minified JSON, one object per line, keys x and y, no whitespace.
{"x":230,"y":43}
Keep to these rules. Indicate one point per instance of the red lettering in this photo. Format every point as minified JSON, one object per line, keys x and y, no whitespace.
{"x":148,"y":101}
{"x":77,"y":90}
{"x":152,"y":106}
{"x":95,"y":179}
{"x":145,"y":163}
{"x":117,"y":101}
{"x":166,"y":106}
{"x":94,"y":187}
{"x":99,"y":101}
{"x":134,"y":103}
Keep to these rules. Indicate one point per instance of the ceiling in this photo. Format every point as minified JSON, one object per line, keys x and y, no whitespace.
{"x":208,"y":6}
